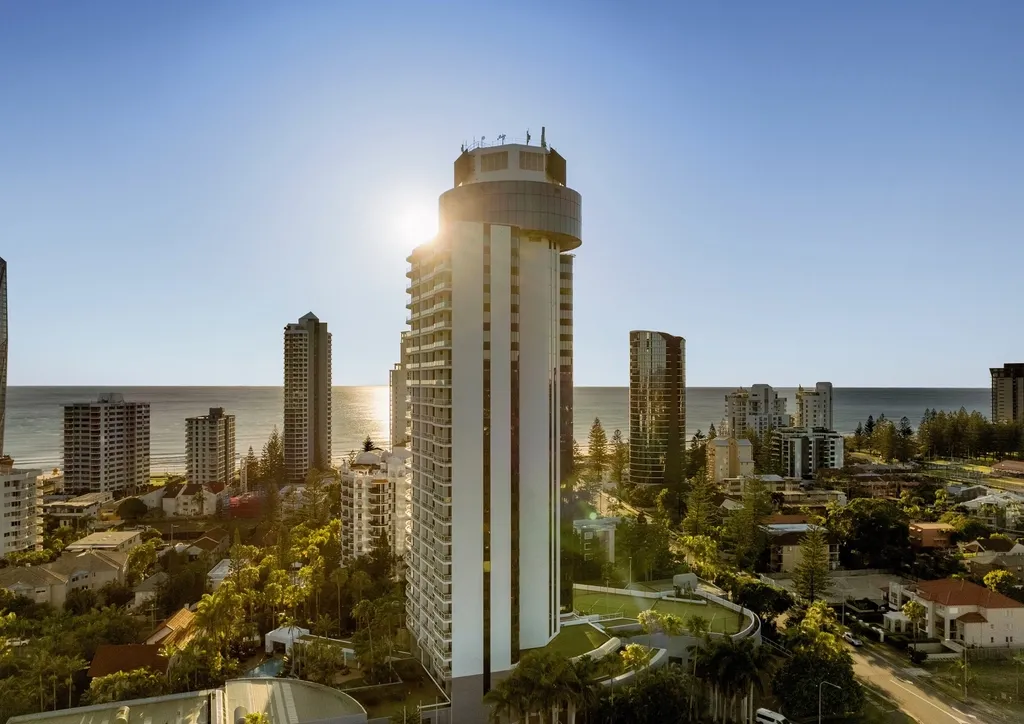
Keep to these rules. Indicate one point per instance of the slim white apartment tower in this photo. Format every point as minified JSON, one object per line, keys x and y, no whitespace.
{"x":489,"y":373}
{"x":814,"y":407}
{"x":307,"y":397}
{"x":400,"y":399}
{"x":210,"y":448}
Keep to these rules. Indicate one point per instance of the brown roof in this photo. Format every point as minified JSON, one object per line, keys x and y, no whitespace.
{"x":206,"y":544}
{"x":217,"y":533}
{"x":110,"y":659}
{"x":925,"y":525}
{"x":1010,"y":466}
{"x":217,"y":488}
{"x":784,"y":518}
{"x":954,"y":592}
{"x":1000,"y":545}
{"x":972,"y":617}
{"x":192,"y":489}
{"x":175,"y":631}
{"x":171,"y":491}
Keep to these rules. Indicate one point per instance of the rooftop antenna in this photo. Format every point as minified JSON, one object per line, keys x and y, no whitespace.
{"x":527,"y":136}
{"x":543,"y":142}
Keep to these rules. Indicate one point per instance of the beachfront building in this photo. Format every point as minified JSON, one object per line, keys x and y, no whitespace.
{"x":400,"y":398}
{"x":657,"y":407}
{"x":1008,"y":392}
{"x":814,"y":407}
{"x":106,"y":446}
{"x":799,"y":453}
{"x":19,"y":526}
{"x":375,"y":501}
{"x":758,"y":409}
{"x":210,"y":448}
{"x":307,"y":397}
{"x":490,"y":383}
{"x":728,"y":457}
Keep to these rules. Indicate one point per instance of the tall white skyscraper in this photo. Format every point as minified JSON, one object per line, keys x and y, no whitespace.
{"x":490,"y":383}
{"x":814,"y":407}
{"x":307,"y":397}
{"x":19,"y":515}
{"x":210,"y":448}
{"x":106,"y":445}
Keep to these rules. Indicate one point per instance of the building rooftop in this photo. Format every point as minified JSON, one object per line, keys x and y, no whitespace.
{"x":187,"y":708}
{"x":954,"y":592}
{"x":29,"y":577}
{"x":927,"y":525}
{"x":110,"y":659}
{"x":152,"y":583}
{"x":108,"y":539}
{"x":576,"y":640}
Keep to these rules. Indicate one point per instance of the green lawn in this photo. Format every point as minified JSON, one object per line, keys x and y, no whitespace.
{"x":577,"y":640}
{"x":385,"y":701}
{"x":590,"y":602}
{"x":993,"y":681}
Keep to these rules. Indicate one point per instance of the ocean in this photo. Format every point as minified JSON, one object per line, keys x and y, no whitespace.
{"x":35,"y":414}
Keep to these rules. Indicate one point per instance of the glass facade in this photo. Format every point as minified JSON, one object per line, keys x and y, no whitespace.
{"x":657,"y":407}
{"x":532,"y":205}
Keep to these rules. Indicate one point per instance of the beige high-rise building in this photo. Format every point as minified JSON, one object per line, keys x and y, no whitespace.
{"x":19,"y":514}
{"x":1008,"y":392}
{"x":106,"y":445}
{"x":307,"y":397}
{"x":210,"y":448}
{"x":814,"y":407}
{"x":758,"y":409}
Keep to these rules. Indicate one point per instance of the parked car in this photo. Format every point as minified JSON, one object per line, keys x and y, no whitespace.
{"x":852,"y":640}
{"x":767,"y":716}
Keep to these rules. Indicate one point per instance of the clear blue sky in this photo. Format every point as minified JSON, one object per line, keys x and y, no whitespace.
{"x":804,"y":190}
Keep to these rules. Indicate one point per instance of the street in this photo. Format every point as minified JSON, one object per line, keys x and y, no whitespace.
{"x":924,"y":706}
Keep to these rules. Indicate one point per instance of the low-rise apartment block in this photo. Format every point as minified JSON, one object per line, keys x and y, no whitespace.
{"x":728,"y":457}
{"x":375,"y":499}
{"x":19,"y":526}
{"x":51,"y":582}
{"x":114,"y":541}
{"x":106,"y":445}
{"x":77,"y":511}
{"x":784,"y":546}
{"x":926,"y":535}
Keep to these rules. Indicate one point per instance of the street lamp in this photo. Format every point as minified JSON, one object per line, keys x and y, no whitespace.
{"x":819,"y":695}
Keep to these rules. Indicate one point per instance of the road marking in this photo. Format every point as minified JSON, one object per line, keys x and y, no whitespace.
{"x":927,"y":701}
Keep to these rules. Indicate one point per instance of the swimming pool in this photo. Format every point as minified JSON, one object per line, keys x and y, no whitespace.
{"x":268,"y":669}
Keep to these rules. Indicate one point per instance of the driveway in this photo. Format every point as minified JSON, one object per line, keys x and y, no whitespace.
{"x":892,"y":677}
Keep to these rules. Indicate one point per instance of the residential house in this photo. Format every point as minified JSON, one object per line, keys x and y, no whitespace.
{"x":959,"y":612}
{"x":175,"y":632}
{"x":51,"y":582}
{"x":115,"y":541}
{"x":204,"y":547}
{"x":980,"y":564}
{"x":926,"y":535}
{"x":147,"y":590}
{"x":997,"y":544}
{"x":218,"y":573}
{"x":73,"y":511}
{"x":36,"y":583}
{"x":111,"y":658}
{"x":784,"y":549}
{"x":191,"y":500}
{"x":597,"y":535}
{"x":999,"y":509}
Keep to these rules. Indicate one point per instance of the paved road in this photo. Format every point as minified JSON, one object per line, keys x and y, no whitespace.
{"x":924,"y":706}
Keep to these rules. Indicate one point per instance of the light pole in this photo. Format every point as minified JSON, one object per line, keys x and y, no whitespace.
{"x":630,"y":584}
{"x":819,"y":695}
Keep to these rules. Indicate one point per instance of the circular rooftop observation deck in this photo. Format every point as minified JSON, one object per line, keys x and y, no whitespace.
{"x":539,"y":206}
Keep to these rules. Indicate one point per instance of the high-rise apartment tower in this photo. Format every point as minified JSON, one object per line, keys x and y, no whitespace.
{"x":210,"y":448}
{"x":814,"y":407}
{"x":307,"y":397}
{"x":657,"y":407}
{"x":106,"y":445}
{"x":1008,"y":392}
{"x":3,"y":351}
{"x":490,"y":382}
{"x":400,"y":398}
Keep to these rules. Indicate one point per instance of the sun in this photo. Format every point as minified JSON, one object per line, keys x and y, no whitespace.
{"x":415,"y":224}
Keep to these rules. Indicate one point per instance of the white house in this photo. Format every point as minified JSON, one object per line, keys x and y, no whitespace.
{"x":187,"y":501}
{"x":959,"y":611}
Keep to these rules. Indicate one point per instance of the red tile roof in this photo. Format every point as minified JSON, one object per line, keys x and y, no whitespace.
{"x":785,"y":518}
{"x":972,"y":617}
{"x":954,"y":592}
{"x":110,"y":659}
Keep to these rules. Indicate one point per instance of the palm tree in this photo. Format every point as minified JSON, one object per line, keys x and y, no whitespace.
{"x":581,"y":685}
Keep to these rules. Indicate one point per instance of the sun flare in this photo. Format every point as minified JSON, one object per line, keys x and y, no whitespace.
{"x":416,"y":224}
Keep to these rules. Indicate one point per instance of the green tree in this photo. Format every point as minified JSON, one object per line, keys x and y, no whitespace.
{"x":251,"y":465}
{"x":132,"y":509}
{"x":743,"y":526}
{"x":916,"y":612}
{"x":733,"y":671}
{"x":368,"y":444}
{"x":141,"y":560}
{"x":813,"y":574}
{"x":1001,"y":581}
{"x":126,"y":685}
{"x":619,"y":457}
{"x":701,"y":511}
{"x":597,"y":449}
{"x":80,"y":600}
{"x":871,"y":532}
{"x":796,"y":684}
{"x":257,"y":717}
{"x":272,"y":471}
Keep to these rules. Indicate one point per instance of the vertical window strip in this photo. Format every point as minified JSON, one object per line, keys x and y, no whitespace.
{"x":486,"y":277}
{"x":514,"y":472}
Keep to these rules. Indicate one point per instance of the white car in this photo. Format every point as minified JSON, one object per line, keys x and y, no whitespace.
{"x":851,"y":639}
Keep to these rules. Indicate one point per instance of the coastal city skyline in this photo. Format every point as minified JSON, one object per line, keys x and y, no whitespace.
{"x":852,"y":212}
